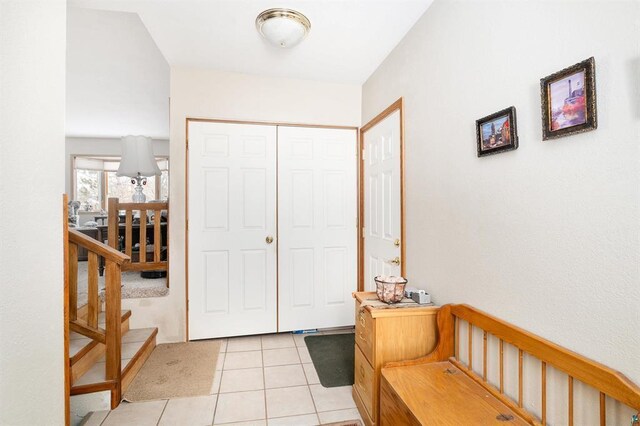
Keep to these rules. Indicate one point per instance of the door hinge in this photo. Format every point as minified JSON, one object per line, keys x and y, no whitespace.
{"x":187,"y":142}
{"x":187,"y":224}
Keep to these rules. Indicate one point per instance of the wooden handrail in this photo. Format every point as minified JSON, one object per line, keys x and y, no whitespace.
{"x":146,"y":206}
{"x":98,"y":248}
{"x":144,"y":266}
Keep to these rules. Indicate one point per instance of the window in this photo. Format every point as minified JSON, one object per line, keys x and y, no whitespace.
{"x":122,"y":188}
{"x":89,"y":189}
{"x":95,"y":181}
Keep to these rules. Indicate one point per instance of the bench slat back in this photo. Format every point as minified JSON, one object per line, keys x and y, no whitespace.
{"x":593,"y":373}
{"x":604,"y":379}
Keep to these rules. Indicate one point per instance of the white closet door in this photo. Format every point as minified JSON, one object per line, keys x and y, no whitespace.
{"x":382,"y":200}
{"x":232,"y":211}
{"x":317,"y":227}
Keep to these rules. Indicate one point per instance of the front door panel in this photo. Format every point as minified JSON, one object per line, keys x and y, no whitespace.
{"x":317,"y":226}
{"x":231,"y":212}
{"x":382,"y":213}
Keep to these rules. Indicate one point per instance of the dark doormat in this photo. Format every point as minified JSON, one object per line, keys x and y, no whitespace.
{"x":332,"y":356}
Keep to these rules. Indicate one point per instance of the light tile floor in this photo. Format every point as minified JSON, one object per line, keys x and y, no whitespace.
{"x":260,"y":380}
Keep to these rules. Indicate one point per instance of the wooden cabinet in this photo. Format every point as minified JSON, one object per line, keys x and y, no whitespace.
{"x":384,"y":335}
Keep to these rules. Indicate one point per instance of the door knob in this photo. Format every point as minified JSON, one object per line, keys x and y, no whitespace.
{"x":397,"y":242}
{"x":269,"y":239}
{"x":395,"y":261}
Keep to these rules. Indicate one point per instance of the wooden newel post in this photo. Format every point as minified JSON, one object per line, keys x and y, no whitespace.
{"x":113,"y":328}
{"x":113,"y":222}
{"x":73,"y":281}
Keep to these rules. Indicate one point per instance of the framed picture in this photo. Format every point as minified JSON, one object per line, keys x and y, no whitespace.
{"x":569,"y":101}
{"x":497,"y":132}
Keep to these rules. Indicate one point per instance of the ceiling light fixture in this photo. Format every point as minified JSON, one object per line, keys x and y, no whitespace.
{"x":283,"y":27}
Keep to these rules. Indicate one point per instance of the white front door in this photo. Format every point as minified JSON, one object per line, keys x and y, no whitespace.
{"x":317,"y":227}
{"x":231,"y":214}
{"x":382,"y":214}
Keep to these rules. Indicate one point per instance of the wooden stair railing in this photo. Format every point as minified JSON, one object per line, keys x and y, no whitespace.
{"x":87,"y":325}
{"x":142,"y":263}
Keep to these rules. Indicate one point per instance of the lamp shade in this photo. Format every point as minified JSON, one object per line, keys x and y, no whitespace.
{"x":137,"y":157}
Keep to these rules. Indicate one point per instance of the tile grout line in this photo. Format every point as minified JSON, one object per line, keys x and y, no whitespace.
{"x":166,"y":402}
{"x":105,"y":417}
{"x":313,"y":401}
{"x":264,"y":383}
{"x":215,"y":409}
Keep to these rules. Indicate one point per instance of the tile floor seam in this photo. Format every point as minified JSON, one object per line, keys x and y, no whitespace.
{"x":303,"y":414}
{"x":105,"y":417}
{"x":166,"y":402}
{"x":264,"y":390}
{"x":313,"y":401}
{"x":213,"y":419}
{"x":295,"y":415}
{"x":227,"y":393}
{"x":282,"y":387}
{"x":249,"y":368}
{"x":215,"y":410}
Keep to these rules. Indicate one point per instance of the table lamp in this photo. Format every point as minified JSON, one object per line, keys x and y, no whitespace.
{"x":138,"y":163}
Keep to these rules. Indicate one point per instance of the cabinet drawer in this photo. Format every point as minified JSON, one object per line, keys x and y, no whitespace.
{"x":365,"y":382}
{"x":364,"y":332}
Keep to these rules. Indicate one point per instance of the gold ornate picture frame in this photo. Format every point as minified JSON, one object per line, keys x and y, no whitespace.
{"x":497,"y":132}
{"x":569,"y":101}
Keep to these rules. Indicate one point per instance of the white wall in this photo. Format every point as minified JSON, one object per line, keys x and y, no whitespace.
{"x":99,"y":146}
{"x":32,"y":86}
{"x":117,"y":78}
{"x":211,"y":94}
{"x":547,"y":236}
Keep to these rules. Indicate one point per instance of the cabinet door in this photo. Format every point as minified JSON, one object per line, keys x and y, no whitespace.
{"x":317,"y":227}
{"x":231,"y":227}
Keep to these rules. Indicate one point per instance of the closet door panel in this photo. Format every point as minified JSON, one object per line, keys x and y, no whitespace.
{"x":317,"y":227}
{"x":231,"y":212}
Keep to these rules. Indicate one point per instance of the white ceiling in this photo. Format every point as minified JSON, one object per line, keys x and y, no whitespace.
{"x":347,"y":42}
{"x":117,"y":79}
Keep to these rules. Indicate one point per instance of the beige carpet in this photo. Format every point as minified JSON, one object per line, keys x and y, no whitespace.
{"x":176,"y":370}
{"x":133,"y":285}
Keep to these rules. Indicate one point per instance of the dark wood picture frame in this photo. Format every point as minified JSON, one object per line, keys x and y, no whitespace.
{"x":585,"y":95}
{"x":500,"y":134}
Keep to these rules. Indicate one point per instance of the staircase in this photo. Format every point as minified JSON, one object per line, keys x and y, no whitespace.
{"x":103,"y":353}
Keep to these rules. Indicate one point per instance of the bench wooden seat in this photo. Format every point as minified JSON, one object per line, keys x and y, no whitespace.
{"x":447,"y":388}
{"x":459,"y":399}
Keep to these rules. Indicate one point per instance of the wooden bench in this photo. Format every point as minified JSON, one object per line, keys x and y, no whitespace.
{"x":448,"y":387}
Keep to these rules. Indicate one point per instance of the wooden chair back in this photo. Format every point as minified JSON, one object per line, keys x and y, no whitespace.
{"x":160,"y":242}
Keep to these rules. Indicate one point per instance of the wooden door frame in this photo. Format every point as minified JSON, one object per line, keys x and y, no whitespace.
{"x":186,"y":192}
{"x":396,"y":106}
